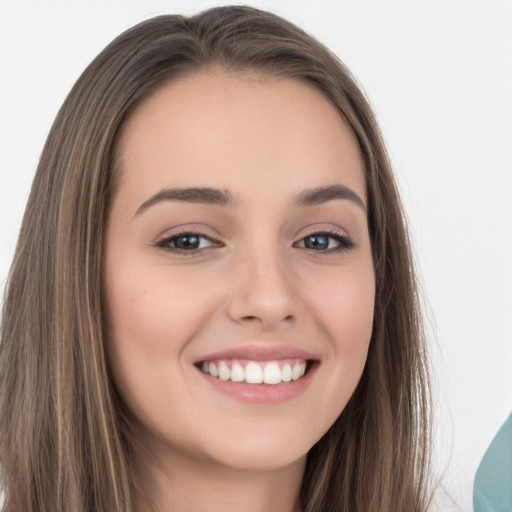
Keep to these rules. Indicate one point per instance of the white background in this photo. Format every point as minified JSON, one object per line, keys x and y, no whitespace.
{"x":439,"y":74}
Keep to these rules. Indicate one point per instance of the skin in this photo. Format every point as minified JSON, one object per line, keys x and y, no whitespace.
{"x":265,"y":141}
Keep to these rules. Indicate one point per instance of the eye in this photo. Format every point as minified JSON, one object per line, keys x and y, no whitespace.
{"x":326,"y":242}
{"x":187,"y":242}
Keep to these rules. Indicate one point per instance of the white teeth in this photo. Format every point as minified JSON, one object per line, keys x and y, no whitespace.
{"x":213,"y":370}
{"x":237,"y":373}
{"x":224,"y":371}
{"x":286,"y":373}
{"x":253,"y":373}
{"x":272,"y":374}
{"x":296,"y":371}
{"x":256,"y":372}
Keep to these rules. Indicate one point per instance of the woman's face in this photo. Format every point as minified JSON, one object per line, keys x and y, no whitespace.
{"x":237,"y":250}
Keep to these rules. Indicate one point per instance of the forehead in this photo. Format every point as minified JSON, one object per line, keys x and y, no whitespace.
{"x":237,"y":132}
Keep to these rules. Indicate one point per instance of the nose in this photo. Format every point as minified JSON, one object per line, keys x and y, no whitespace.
{"x":264,"y":292}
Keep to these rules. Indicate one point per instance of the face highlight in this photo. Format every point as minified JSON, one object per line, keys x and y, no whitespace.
{"x":239,"y":278}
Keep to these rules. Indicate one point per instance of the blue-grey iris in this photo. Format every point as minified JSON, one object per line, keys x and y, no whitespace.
{"x":316,"y":242}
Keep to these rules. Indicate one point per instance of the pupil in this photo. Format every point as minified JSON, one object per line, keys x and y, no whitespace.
{"x":317,"y":242}
{"x":187,"y":242}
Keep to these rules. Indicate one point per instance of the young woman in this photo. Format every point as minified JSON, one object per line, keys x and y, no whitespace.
{"x":212,"y":304}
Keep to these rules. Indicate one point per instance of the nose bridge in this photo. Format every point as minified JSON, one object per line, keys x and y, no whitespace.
{"x":264,"y":290}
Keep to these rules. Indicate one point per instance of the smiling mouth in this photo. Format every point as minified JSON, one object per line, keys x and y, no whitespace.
{"x":256,"y":372}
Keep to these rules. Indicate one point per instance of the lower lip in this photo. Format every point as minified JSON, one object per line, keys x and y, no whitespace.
{"x":261,"y":393}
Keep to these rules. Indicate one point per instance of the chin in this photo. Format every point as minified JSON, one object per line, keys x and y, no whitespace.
{"x":261,"y":449}
{"x":261,"y":459}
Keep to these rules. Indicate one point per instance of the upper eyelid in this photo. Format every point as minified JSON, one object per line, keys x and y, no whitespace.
{"x":330,"y":231}
{"x":200,"y":229}
{"x":209,"y":233}
{"x":178,"y":231}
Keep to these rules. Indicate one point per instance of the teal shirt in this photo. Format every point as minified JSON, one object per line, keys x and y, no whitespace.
{"x":492,"y":490}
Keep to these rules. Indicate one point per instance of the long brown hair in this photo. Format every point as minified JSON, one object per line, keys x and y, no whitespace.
{"x":64,"y":445}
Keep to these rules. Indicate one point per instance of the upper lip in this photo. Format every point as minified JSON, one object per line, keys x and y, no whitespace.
{"x":259,"y":353}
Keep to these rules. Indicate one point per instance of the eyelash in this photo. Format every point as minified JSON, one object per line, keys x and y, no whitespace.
{"x":345,"y":243}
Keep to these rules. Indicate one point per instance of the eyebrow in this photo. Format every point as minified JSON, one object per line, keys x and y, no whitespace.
{"x":322,"y":195}
{"x":222,"y":197}
{"x":203,"y":195}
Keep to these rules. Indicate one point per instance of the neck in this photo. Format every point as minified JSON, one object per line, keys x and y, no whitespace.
{"x":175,"y":483}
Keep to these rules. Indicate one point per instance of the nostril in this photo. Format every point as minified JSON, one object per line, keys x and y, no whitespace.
{"x":253,"y":318}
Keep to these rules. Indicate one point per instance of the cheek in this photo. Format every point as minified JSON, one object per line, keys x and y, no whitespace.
{"x":149,"y":309}
{"x":152,"y":316}
{"x":344,"y":306}
{"x":151,"y":319}
{"x":344,"y":312}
